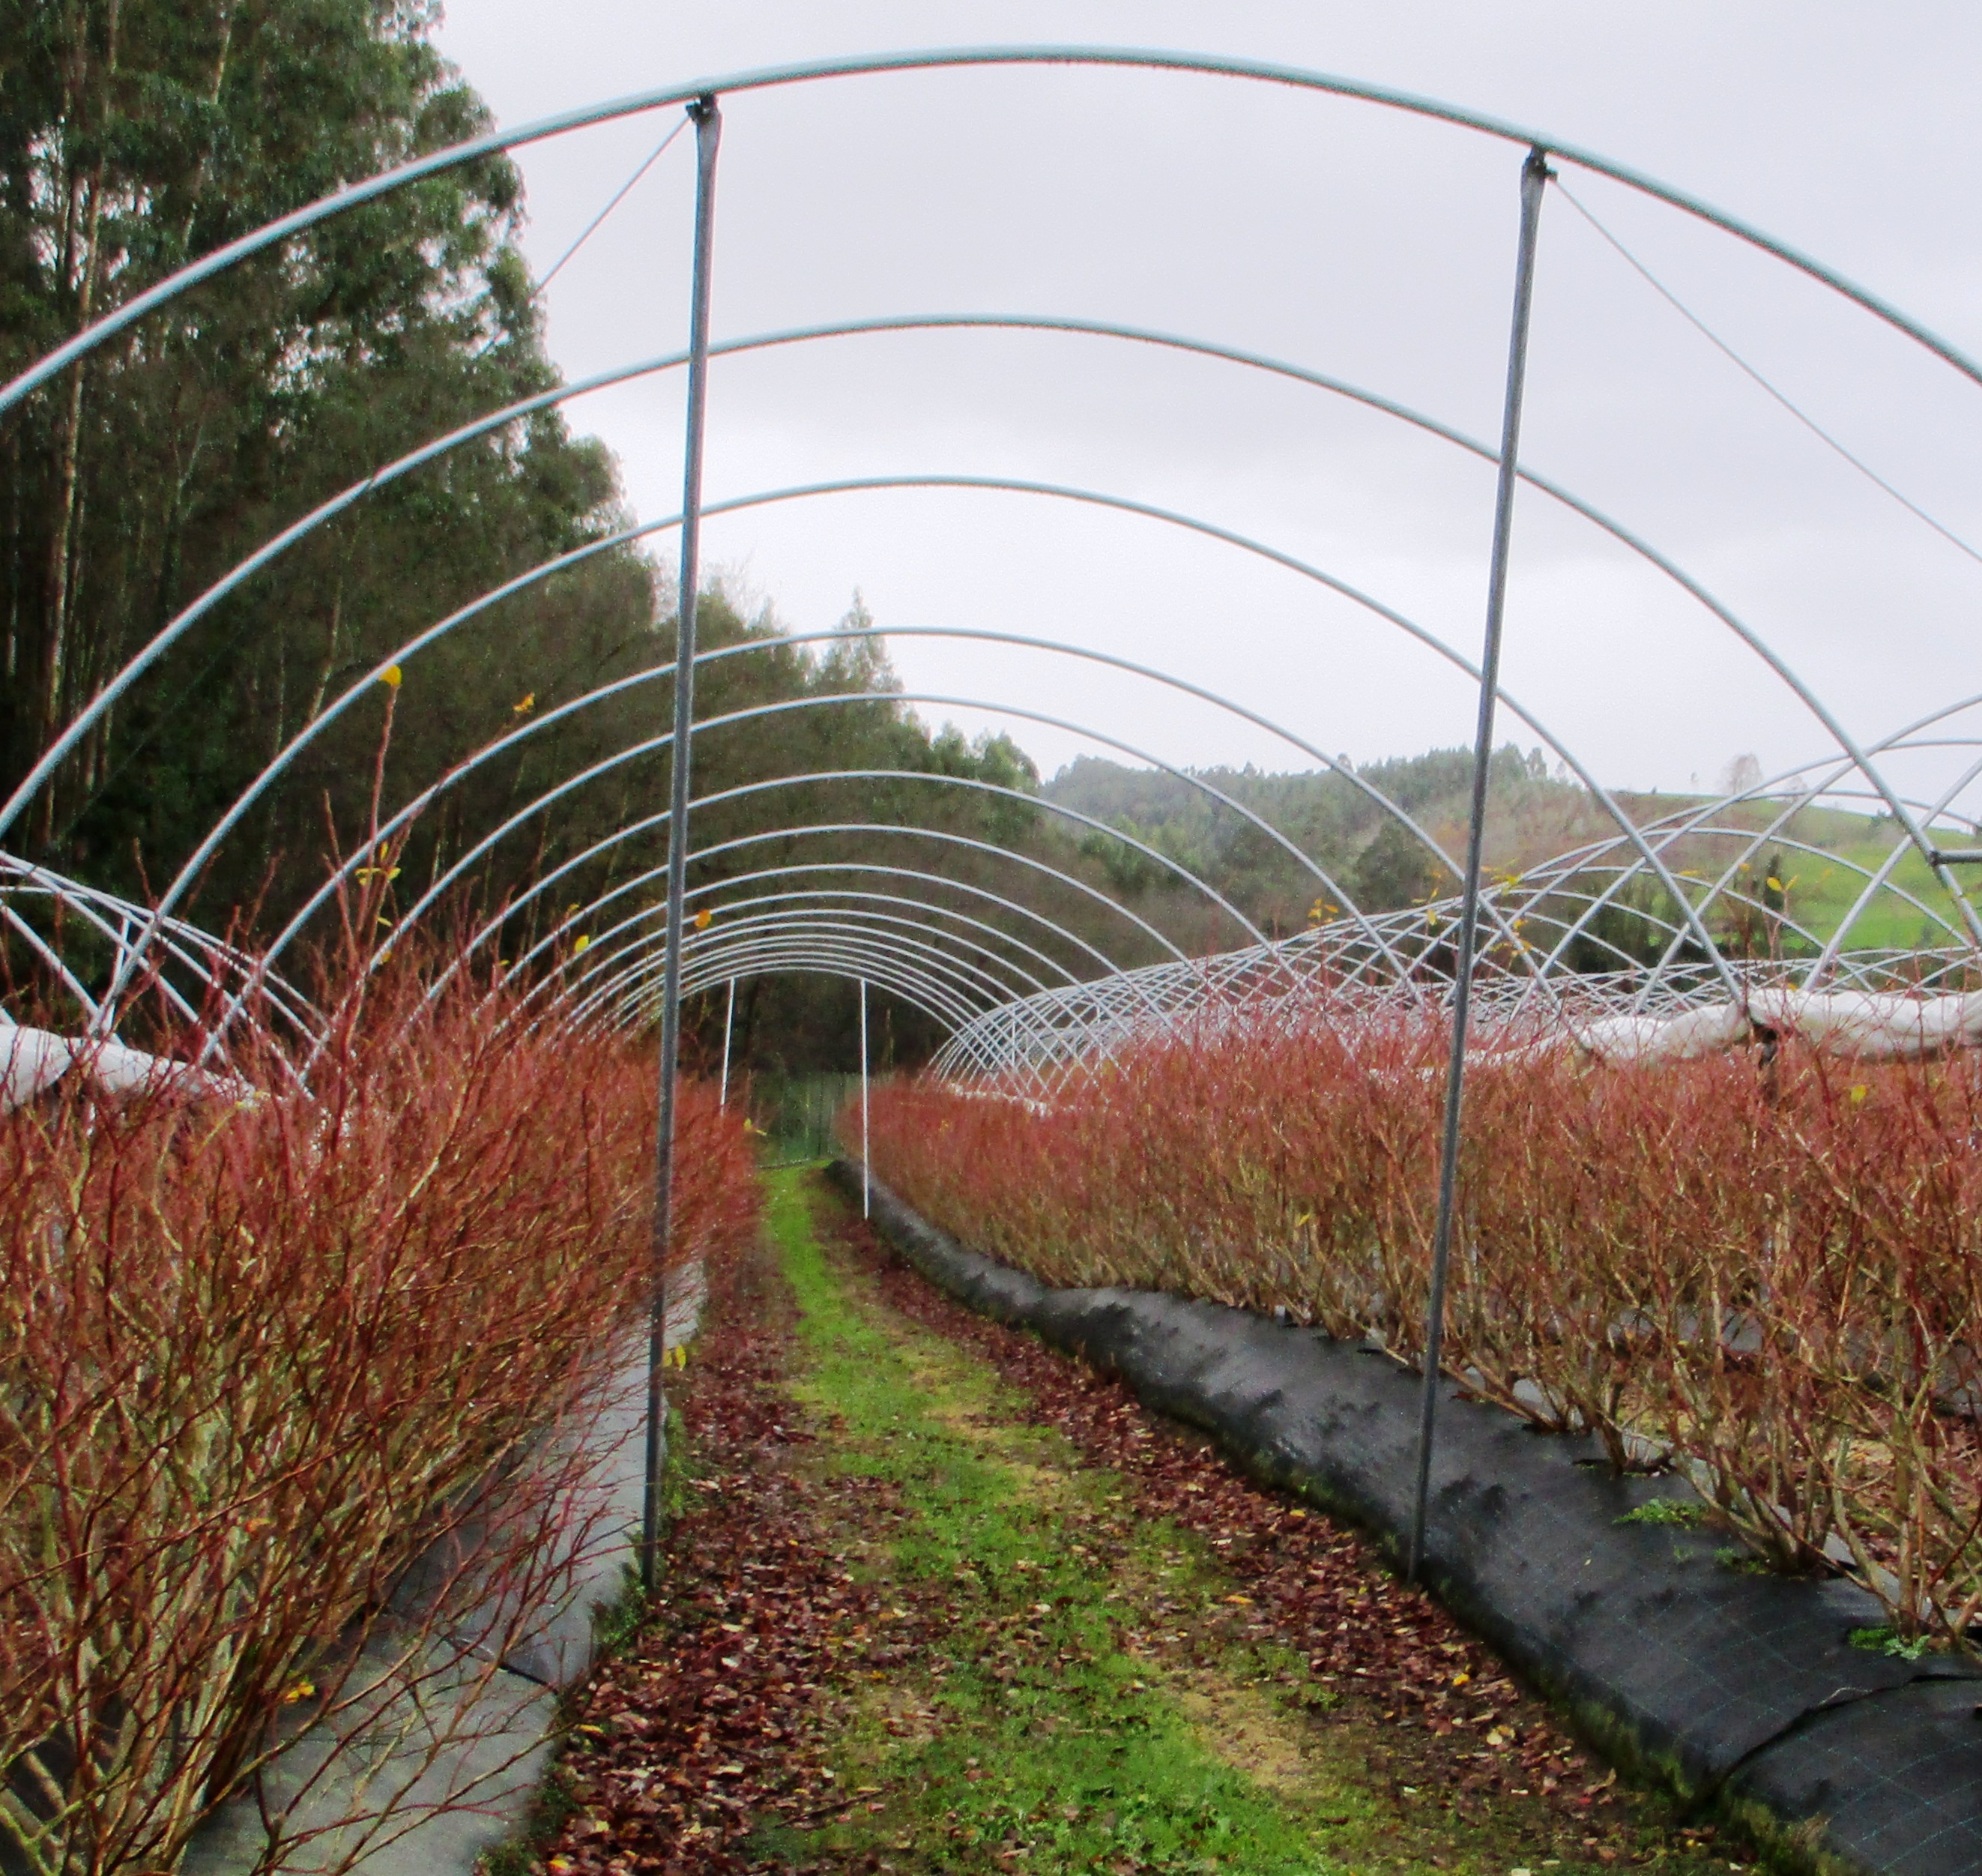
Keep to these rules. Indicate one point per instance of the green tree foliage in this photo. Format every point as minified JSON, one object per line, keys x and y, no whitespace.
{"x":1396,"y":868}
{"x":1632,"y":926}
{"x":135,"y":136}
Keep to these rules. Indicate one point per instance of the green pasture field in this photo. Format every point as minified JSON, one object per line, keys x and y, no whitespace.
{"x":1822,"y":886}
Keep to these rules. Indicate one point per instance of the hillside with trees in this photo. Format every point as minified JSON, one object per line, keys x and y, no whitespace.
{"x":1812,"y":867}
{"x":1334,"y":817}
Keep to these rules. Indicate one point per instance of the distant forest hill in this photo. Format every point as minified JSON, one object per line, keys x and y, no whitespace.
{"x":1535,"y":813}
{"x":1333,"y":818}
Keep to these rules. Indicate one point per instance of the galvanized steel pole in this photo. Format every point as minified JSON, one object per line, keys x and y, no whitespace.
{"x":1534,"y":177}
{"x":708,"y":132}
{"x":728,"y":1023}
{"x":866,"y":1178}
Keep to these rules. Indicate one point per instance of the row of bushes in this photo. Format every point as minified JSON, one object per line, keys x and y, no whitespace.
{"x":257,"y":1361}
{"x":1770,"y":1272}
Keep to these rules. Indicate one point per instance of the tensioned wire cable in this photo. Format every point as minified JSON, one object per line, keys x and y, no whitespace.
{"x":599,"y":220}
{"x":624,"y":189}
{"x":1734,"y":358}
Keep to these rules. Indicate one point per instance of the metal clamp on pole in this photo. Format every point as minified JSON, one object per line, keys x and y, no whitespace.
{"x":708,"y":132}
{"x":1534,"y":176}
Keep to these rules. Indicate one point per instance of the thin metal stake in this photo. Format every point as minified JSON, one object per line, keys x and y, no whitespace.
{"x":708,"y":132}
{"x":1534,"y":175}
{"x":866,"y":1178}
{"x":728,"y":1021}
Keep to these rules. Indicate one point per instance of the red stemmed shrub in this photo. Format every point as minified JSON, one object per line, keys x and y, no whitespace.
{"x":256,"y":1360}
{"x":1768,"y":1274}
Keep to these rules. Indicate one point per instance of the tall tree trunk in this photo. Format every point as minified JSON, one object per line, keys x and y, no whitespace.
{"x":86,"y":270}
{"x":201,"y":174}
{"x":10,"y":651}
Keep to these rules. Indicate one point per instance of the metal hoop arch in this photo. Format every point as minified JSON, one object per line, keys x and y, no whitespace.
{"x":792,"y":869}
{"x":579,"y":917}
{"x":520,"y":583}
{"x":562,"y":989}
{"x":885,"y":908}
{"x":743,"y":935}
{"x":1633,"y":543}
{"x":1124,"y":58}
{"x":716,"y":953}
{"x":607,"y":960}
{"x":433,"y":450}
{"x":510,"y":739}
{"x":851,"y":961}
{"x":1118,"y":57}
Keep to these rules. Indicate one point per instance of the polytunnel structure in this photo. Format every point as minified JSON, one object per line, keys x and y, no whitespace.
{"x":1664,"y":932}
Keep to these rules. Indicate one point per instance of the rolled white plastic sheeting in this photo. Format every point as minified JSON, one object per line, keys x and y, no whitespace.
{"x":32,"y":1061}
{"x":1706,"y":1031}
{"x":1861,"y":1025}
{"x":1878,"y":1028}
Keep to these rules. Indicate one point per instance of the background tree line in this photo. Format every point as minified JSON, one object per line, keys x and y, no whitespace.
{"x":1334,"y":817}
{"x":1535,"y":813}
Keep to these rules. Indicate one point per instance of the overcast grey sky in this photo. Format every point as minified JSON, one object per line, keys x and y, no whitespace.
{"x":1373,"y":246}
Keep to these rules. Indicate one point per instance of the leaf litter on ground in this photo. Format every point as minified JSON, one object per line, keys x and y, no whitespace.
{"x":855,"y":1669}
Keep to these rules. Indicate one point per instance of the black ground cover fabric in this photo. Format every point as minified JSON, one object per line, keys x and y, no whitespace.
{"x":1724,"y":1683}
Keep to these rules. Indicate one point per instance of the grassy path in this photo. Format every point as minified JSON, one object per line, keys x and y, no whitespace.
{"x":918,"y":1630}
{"x":1024,"y":1728}
{"x":1091,"y":1695}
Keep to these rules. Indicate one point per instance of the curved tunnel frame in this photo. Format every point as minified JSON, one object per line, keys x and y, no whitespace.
{"x":1103,"y":56}
{"x":1096,"y":1009}
{"x":433,"y":450}
{"x":1914,"y":830}
{"x":1696,"y":928}
{"x":791,"y":870}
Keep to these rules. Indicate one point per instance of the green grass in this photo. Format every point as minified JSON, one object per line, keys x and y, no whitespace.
{"x":1822,"y":891}
{"x":1666,"y":1511}
{"x":1035,"y":1741}
{"x":1888,"y":1640}
{"x":1076,"y":1753}
{"x":1823,"y":886}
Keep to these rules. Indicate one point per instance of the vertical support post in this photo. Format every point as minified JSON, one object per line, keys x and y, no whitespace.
{"x":866,"y":1178}
{"x":707,"y":132}
{"x":729,"y":1022}
{"x":1534,"y":178}
{"x":102,"y":1021}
